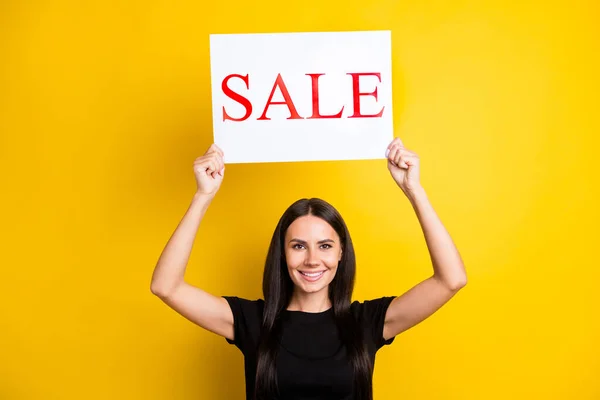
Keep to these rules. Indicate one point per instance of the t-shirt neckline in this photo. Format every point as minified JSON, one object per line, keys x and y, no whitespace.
{"x":307,"y":316}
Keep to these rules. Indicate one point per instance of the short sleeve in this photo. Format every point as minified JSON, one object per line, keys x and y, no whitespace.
{"x":247,"y":320}
{"x":371,"y":316}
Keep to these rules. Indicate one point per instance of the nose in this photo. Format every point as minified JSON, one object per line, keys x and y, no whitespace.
{"x":311,"y":259}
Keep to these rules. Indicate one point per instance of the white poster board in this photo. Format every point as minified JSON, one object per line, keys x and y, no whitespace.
{"x":302,"y":96}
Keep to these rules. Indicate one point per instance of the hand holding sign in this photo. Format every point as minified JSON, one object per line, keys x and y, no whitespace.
{"x":209,"y":170}
{"x":404,"y":166}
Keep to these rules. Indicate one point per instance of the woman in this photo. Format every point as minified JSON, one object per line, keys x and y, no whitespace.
{"x":306,"y":340}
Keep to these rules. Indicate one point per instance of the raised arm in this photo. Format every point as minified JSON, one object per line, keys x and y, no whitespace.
{"x":449,"y":274}
{"x":210,"y":312}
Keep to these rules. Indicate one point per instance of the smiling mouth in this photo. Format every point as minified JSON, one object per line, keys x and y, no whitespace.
{"x":311,"y":276}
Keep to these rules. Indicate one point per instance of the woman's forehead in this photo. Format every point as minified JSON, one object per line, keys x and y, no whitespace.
{"x":311,"y":226}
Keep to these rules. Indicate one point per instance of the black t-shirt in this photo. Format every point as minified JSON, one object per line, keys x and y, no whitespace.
{"x":312,"y":362}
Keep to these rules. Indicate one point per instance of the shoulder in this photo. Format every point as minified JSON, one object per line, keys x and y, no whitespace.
{"x":248,"y":308}
{"x":372,"y":307}
{"x":370,"y":316}
{"x":247,"y":321}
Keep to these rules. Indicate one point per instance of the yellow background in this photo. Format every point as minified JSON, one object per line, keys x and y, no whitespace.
{"x":105,"y":105}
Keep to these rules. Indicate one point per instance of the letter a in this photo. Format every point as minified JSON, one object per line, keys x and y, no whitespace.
{"x":286,"y":97}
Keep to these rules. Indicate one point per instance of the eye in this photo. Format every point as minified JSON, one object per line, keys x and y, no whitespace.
{"x":328,"y":246}
{"x":297,"y":246}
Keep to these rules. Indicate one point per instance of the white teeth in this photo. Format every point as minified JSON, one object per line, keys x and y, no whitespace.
{"x":312,"y":275}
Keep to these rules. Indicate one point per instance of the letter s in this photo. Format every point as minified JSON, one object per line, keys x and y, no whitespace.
{"x":237,"y":97}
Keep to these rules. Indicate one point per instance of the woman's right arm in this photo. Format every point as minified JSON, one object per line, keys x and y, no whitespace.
{"x":210,"y":312}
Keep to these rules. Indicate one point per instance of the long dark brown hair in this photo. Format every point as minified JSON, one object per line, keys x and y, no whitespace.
{"x":277,"y":291}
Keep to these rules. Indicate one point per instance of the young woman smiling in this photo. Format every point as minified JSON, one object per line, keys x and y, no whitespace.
{"x":306,"y":339}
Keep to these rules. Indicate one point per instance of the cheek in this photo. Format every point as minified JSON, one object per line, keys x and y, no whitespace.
{"x":332,"y":259}
{"x":293,"y":259}
{"x":332,"y":274}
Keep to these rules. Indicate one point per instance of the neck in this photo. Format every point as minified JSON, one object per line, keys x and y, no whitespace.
{"x":310,"y":302}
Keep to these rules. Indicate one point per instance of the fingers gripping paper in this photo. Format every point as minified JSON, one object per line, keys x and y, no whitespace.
{"x":302,"y":96}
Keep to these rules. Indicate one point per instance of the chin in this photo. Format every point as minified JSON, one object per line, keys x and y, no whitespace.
{"x":312,"y":289}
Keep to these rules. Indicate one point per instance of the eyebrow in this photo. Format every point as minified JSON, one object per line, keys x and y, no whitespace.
{"x":319,"y":242}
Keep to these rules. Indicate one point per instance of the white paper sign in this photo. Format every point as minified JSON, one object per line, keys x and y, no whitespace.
{"x":302,"y":96}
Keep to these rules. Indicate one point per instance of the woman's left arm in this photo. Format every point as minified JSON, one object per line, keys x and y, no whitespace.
{"x":449,"y":274}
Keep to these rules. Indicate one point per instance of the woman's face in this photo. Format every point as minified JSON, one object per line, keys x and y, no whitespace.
{"x":312,"y":252}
